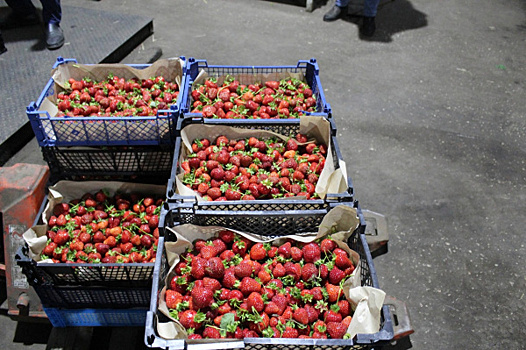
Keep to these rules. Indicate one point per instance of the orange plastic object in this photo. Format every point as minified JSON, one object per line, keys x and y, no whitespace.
{"x":22,"y":191}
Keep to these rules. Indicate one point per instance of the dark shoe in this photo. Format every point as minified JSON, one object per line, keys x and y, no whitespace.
{"x":368,"y":26}
{"x":54,"y":36}
{"x":16,"y":20}
{"x":334,"y":13}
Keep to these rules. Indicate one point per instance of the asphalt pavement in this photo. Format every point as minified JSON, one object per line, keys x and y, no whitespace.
{"x":431,"y":119}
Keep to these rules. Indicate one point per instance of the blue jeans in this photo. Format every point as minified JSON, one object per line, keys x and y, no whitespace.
{"x":51,"y":10}
{"x":369,"y":6}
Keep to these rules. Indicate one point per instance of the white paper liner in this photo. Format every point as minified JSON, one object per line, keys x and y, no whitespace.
{"x":317,"y":128}
{"x":66,"y":191}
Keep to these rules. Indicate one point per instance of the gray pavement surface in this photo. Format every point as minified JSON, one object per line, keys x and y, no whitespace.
{"x":431,"y":122}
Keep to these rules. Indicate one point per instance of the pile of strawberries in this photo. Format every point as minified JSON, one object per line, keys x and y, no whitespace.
{"x":287,"y":98}
{"x":101,"y":229}
{"x":116,"y":97}
{"x":253,"y":168}
{"x":231,"y":287}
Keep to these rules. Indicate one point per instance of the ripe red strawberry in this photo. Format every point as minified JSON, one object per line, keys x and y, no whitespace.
{"x":342,"y":261}
{"x":317,"y":293}
{"x":328,"y":245}
{"x":194,"y":336}
{"x":272,"y":252}
{"x":272,"y":308}
{"x":290,"y":332}
{"x":318,"y":335}
{"x":281,"y":302}
{"x":279,"y":270}
{"x":219,"y":245}
{"x":336,"y":330}
{"x":276,"y":282}
{"x":215,"y":268}
{"x":239,"y":247}
{"x":335,"y":292}
{"x":202,"y":297}
{"x":226,"y":236}
{"x":319,"y":326}
{"x":244,"y":269}
{"x":309,"y":271}
{"x":332,"y":316}
{"x":249,"y":285}
{"x":296,"y":253}
{"x":230,"y":280}
{"x":255,"y":300}
{"x":191,"y":319}
{"x":211,"y":283}
{"x":208,"y":251}
{"x":311,"y":252}
{"x":198,"y":268}
{"x":301,"y":316}
{"x":293,"y":269}
{"x":258,"y":252}
{"x":210,"y":332}
{"x":236,"y":294}
{"x":345,"y":308}
{"x":324,"y":272}
{"x":336,"y":275}
{"x":312,"y":313}
{"x":172,"y":298}
{"x":284,"y":250}
{"x":264,"y":276}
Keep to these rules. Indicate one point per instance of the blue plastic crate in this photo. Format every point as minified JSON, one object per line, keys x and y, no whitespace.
{"x":96,"y":317}
{"x":357,"y":242}
{"x":309,"y":68}
{"x":102,"y":131}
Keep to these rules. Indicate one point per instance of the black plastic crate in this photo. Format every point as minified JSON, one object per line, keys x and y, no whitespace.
{"x":151,"y":164}
{"x":103,"y":131}
{"x":357,"y":242}
{"x":309,"y":69}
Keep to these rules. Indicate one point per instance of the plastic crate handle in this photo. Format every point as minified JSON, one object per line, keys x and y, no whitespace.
{"x":376,"y":232}
{"x":400,"y":315}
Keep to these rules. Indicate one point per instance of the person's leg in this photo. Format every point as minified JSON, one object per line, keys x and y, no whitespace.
{"x":51,"y":11}
{"x":370,"y":7}
{"x":52,"y":15}
{"x":337,"y":11}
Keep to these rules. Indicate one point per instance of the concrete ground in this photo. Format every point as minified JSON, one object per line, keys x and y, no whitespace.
{"x":431,"y":122}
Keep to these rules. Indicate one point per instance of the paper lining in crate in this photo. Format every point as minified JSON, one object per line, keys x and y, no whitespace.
{"x":86,"y":273}
{"x":79,"y":130}
{"x":340,"y":224}
{"x":332,"y":179}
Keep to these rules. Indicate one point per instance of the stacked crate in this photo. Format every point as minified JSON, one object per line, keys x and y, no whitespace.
{"x":136,"y":149}
{"x":265,"y":218}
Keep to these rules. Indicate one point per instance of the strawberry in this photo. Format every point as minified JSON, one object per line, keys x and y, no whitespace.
{"x":191,"y":319}
{"x":211,"y":332}
{"x":311,"y":252}
{"x":202,"y":297}
{"x":285,"y":250}
{"x":219,"y":245}
{"x":229,"y":279}
{"x":328,"y":245}
{"x":211,"y":283}
{"x":215,"y":268}
{"x":334,"y":292}
{"x":319,"y":326}
{"x":293,"y":269}
{"x":173,"y":298}
{"x":332,"y":316}
{"x":226,"y":236}
{"x":345,"y":308}
{"x":296,"y":253}
{"x":264,"y":276}
{"x":290,"y":332}
{"x":272,"y":308}
{"x":336,"y":275}
{"x":309,"y":271}
{"x":324,"y":272}
{"x":342,"y":261}
{"x":281,"y":302}
{"x":208,"y":251}
{"x":279,"y":271}
{"x":336,"y":330}
{"x":255,"y":301}
{"x":249,"y":285}
{"x":198,"y":268}
{"x":312,"y":313}
{"x":318,"y":335}
{"x":347,"y":321}
{"x":244,"y":269}
{"x":301,"y":316}
{"x":258,"y":252}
